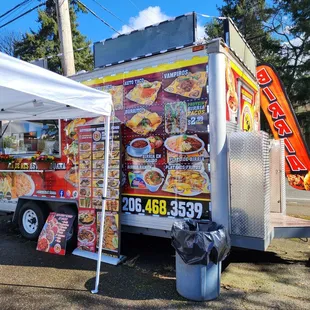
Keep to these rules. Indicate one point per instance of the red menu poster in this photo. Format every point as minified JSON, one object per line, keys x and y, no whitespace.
{"x":91,"y":165}
{"x":53,"y":237}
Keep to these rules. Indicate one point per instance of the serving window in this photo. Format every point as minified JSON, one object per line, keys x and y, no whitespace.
{"x":30,"y":137}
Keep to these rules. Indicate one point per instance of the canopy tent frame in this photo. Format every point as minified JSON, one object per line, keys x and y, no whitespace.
{"x":27,"y":92}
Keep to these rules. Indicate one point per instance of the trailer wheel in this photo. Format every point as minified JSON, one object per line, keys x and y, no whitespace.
{"x":31,"y":220}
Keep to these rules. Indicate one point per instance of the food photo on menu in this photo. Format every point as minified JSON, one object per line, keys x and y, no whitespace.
{"x":87,"y":229}
{"x":138,"y":147}
{"x":71,"y":129}
{"x":117,"y":95}
{"x":86,"y":218}
{"x":153,"y":179}
{"x":175,"y":117}
{"x":144,"y":92}
{"x":111,"y":232}
{"x":112,"y":205}
{"x":231,"y":94}
{"x":187,"y":182}
{"x":190,"y":85}
{"x":144,"y":122}
{"x":86,"y":236}
{"x":188,"y":148}
{"x":71,"y":151}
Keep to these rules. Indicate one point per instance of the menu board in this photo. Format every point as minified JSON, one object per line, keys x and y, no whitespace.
{"x":246,"y":118}
{"x":164,"y":112}
{"x":91,"y":137}
{"x":242,"y":101}
{"x":53,"y":237}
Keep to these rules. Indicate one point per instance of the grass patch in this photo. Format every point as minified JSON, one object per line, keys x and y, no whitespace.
{"x":304,"y":217}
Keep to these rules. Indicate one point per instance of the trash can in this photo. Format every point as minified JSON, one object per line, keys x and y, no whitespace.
{"x":200,"y":248}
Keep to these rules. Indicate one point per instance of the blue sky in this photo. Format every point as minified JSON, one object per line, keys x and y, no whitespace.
{"x":135,"y":13}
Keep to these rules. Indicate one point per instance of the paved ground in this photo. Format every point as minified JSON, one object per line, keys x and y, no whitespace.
{"x":297,"y":196}
{"x":298,"y":202}
{"x":277,"y":279}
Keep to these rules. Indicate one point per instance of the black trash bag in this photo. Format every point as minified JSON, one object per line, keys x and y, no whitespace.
{"x":200,"y":242}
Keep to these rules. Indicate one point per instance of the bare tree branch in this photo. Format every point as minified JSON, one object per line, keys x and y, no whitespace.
{"x":7,"y":41}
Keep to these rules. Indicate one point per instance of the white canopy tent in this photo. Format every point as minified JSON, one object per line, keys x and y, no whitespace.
{"x":28,"y":92}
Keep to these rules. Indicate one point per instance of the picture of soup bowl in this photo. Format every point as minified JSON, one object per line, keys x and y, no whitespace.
{"x":140,"y":146}
{"x":153,"y":179}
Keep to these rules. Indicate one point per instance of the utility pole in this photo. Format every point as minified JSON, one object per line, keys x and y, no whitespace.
{"x":65,"y":35}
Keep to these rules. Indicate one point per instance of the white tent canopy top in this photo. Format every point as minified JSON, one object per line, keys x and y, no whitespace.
{"x":30,"y":92}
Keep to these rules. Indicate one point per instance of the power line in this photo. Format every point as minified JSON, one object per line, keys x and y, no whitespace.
{"x":21,"y":15}
{"x":107,"y":10}
{"x":139,"y":10}
{"x":134,"y":5}
{"x":61,"y":54}
{"x":19,"y":10}
{"x":93,"y":13}
{"x":15,"y":7}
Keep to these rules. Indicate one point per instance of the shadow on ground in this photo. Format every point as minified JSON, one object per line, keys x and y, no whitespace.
{"x":145,"y":281}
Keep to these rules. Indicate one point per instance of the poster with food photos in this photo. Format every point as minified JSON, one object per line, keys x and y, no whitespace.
{"x":91,"y":182}
{"x":165,"y":133}
{"x":54,"y":234}
{"x":242,"y":99}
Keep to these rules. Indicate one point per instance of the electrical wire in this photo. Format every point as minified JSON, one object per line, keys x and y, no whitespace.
{"x":61,"y":54}
{"x":107,"y":10}
{"x":18,"y":10}
{"x":21,"y":15}
{"x":14,"y":8}
{"x":98,"y":17}
{"x":139,"y":10}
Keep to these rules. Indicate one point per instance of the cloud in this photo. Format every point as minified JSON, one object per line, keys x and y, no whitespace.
{"x":153,"y":15}
{"x":149,"y":16}
{"x":200,"y":32}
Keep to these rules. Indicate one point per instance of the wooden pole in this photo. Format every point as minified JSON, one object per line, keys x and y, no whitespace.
{"x":65,"y":35}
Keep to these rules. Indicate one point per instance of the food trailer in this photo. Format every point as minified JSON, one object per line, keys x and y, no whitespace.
{"x":185,"y":143}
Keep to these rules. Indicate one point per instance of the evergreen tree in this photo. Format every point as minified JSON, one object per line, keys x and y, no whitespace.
{"x":278,"y":34}
{"x":291,"y":24}
{"x":250,"y":16}
{"x":45,"y":42}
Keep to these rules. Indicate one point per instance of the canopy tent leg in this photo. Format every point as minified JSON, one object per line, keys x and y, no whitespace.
{"x":104,"y":197}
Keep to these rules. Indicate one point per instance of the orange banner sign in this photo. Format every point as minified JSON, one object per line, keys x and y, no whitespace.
{"x":284,"y":125}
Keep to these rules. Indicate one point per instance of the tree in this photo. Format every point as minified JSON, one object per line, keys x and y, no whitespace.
{"x":45,"y":42}
{"x":279,"y":34}
{"x":8,"y":40}
{"x":250,"y":16}
{"x":291,"y":24}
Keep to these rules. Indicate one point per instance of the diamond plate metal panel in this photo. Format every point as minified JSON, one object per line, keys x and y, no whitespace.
{"x":249,"y":184}
{"x":231,"y":127}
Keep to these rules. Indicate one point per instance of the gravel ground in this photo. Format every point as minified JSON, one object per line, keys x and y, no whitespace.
{"x":278,"y":279}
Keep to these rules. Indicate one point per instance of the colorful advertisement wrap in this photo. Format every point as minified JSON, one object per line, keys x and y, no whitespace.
{"x":58,"y":180}
{"x":283,"y":123}
{"x":242,"y":99}
{"x":53,"y":237}
{"x":91,"y":138}
{"x":164,"y":111}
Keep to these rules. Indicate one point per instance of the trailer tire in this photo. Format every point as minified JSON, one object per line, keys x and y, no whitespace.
{"x":31,"y":220}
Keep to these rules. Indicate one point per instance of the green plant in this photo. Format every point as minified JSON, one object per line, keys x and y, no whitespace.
{"x":8,"y":141}
{"x":6,"y":158}
{"x":42,"y":158}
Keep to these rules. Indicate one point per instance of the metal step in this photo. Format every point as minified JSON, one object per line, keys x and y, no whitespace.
{"x":285,"y":226}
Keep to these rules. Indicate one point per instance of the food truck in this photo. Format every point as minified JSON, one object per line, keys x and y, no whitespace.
{"x":185,"y":143}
